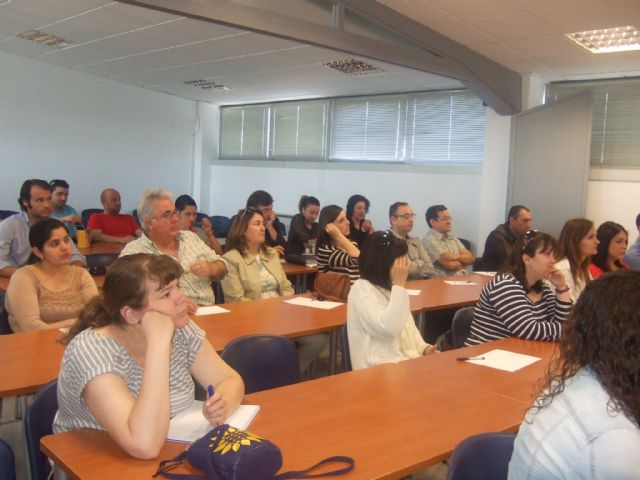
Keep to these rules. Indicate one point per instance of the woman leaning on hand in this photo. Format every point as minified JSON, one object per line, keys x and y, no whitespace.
{"x":519,"y":302}
{"x":131,"y":356}
{"x":380,"y":326}
{"x":334,"y":251}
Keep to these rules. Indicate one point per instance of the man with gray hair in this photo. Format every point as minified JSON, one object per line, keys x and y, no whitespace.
{"x":162,"y":236}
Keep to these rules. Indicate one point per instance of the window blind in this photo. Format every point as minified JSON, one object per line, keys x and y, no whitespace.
{"x":299,"y":130}
{"x":244,"y":132}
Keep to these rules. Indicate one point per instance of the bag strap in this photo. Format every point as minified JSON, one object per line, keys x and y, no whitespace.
{"x":350,"y":464}
{"x":167,"y":465}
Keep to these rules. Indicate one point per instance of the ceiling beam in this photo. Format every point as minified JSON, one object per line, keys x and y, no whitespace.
{"x":422,"y":48}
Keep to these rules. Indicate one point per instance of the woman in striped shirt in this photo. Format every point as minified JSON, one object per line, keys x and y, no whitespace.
{"x":335,"y":252}
{"x":520,"y":303}
{"x":131,"y":356}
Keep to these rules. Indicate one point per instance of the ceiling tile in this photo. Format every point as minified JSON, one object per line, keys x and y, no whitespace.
{"x":472,"y":10}
{"x":547,"y":47}
{"x":629,"y":8}
{"x":592,"y":16}
{"x":533,"y":6}
{"x":498,"y":52}
{"x":513,"y":27}
{"x":26,"y":48}
{"x":463,"y":33}
{"x":421,"y":11}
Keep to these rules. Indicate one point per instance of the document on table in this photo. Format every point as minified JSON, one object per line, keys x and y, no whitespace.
{"x":460,"y":282}
{"x":190,"y":425}
{"x":211,"y":310}
{"x":313,"y":303}
{"x":413,"y":292}
{"x":504,"y":360}
{"x":486,"y":274}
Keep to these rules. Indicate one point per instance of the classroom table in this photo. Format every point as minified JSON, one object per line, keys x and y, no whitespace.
{"x":299,"y":274}
{"x":102,"y":247}
{"x":24,"y":372}
{"x":393,"y":419}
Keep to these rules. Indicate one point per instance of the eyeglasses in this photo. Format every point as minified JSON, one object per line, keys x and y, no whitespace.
{"x":526,"y":240}
{"x":406,"y":216}
{"x":168,"y":214}
{"x":444,"y":219}
{"x":387,"y":239}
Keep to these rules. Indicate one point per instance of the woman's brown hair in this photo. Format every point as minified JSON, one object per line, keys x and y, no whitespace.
{"x":529,"y":244}
{"x":125,"y":285}
{"x":236,"y":239}
{"x":602,"y":333}
{"x":572,"y":233}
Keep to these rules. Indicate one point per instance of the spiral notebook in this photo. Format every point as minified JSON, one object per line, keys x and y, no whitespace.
{"x":190,"y":425}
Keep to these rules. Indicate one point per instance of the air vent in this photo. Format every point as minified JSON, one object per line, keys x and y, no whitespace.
{"x":46,"y":39}
{"x":355,"y":68}
{"x":207,"y":85}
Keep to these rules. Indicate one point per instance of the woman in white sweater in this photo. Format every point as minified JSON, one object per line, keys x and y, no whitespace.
{"x":380,"y":326}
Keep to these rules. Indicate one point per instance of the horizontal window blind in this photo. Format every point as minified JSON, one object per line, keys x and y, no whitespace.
{"x":244,"y":132}
{"x":299,"y":130}
{"x":615,"y":133}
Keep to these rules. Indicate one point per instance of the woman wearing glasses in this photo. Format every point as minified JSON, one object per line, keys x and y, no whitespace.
{"x":380,"y":326}
{"x":255,"y":272}
{"x":334,"y":251}
{"x":520,"y":303}
{"x":578,"y":242}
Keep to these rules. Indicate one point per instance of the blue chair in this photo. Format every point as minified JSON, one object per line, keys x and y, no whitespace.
{"x":346,"y":355}
{"x":7,"y":462}
{"x":482,"y":457}
{"x":86,"y":213}
{"x":461,"y":326}
{"x":38,"y":422}
{"x":6,"y":213}
{"x":135,"y":216}
{"x":466,"y":243}
{"x":221,"y":225}
{"x":263,"y":361}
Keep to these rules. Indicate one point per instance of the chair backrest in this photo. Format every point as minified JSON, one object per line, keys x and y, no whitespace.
{"x":5,"y":328}
{"x":6,"y":213}
{"x":263,"y":361}
{"x":135,"y":216}
{"x":86,"y":213}
{"x":98,"y":260}
{"x":461,"y":326}
{"x":7,"y":462}
{"x":38,"y":422}
{"x":282,"y":228}
{"x":346,"y":355}
{"x":482,"y":457}
{"x":221,"y":225}
{"x":466,"y":243}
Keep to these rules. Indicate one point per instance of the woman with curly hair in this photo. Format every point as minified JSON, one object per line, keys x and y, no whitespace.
{"x":613,"y":240}
{"x":585,"y":424}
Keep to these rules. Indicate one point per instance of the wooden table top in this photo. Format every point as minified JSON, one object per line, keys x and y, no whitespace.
{"x":393,"y":419}
{"x":435,"y":294}
{"x":102,"y":247}
{"x":21,"y":373}
{"x":296,"y":269}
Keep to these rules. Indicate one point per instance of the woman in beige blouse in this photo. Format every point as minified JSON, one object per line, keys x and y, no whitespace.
{"x":255,"y":272}
{"x":48,"y":292}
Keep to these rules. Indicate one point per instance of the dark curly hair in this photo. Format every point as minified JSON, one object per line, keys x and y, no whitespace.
{"x":603,"y":334}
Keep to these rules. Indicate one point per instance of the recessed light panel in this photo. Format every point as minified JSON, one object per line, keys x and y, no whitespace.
{"x":353,"y":67}
{"x":618,"y":39}
{"x":46,"y":39}
{"x":206,"y":85}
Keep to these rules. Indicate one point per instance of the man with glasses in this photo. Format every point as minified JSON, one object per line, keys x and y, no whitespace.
{"x":162,"y":235}
{"x":500,"y":242}
{"x":59,"y":207}
{"x":112,"y":226}
{"x":449,"y":255}
{"x":401,"y":217}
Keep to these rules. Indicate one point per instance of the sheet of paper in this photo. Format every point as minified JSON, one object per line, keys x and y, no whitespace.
{"x":413,"y":292}
{"x":486,"y":274}
{"x":190,"y":425}
{"x":460,"y":282}
{"x":310,"y":302}
{"x":504,"y":360}
{"x":211,"y":310}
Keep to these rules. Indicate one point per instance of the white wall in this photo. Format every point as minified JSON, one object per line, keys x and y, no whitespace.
{"x":95,"y":133}
{"x":465,"y":194}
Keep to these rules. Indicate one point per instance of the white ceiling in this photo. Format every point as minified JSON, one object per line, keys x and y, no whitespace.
{"x":162,"y":51}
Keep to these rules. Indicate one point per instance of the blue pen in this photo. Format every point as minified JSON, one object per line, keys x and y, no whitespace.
{"x":210,"y":390}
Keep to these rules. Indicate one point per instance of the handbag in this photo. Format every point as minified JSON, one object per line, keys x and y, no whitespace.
{"x":227,"y":453}
{"x":332,"y":286}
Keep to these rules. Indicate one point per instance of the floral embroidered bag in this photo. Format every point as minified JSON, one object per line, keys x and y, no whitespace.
{"x":226,"y":453}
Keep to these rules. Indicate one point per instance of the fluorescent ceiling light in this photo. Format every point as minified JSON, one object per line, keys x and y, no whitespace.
{"x":46,"y":39}
{"x":607,"y":40}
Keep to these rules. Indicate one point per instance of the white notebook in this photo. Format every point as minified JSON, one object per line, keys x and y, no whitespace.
{"x":190,"y":425}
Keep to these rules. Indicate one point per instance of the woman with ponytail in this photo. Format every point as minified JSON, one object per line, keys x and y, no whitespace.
{"x":131,"y":356}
